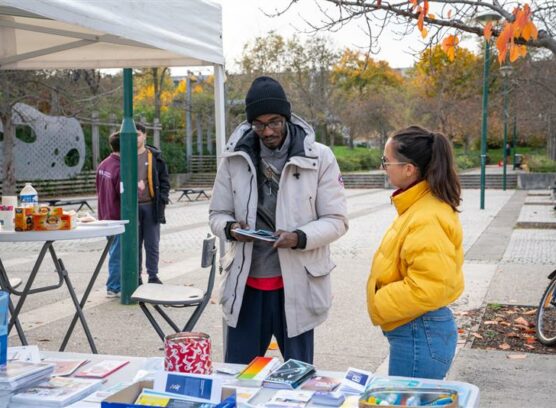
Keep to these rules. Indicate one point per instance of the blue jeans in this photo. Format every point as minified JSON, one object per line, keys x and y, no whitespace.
{"x":424,"y":347}
{"x":114,"y":265}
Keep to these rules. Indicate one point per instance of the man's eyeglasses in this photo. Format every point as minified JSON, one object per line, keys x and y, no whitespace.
{"x":275,"y":124}
{"x":385,"y":163}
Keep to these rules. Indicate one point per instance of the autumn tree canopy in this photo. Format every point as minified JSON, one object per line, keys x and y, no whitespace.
{"x":522,"y":25}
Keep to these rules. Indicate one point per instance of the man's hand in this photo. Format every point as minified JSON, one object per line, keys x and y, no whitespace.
{"x":286,"y":239}
{"x":239,"y":237}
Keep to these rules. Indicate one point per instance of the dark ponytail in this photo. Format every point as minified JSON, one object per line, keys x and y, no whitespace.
{"x":432,"y":154}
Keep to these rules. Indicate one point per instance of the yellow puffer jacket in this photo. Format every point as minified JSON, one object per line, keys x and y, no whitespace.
{"x":418,"y":266}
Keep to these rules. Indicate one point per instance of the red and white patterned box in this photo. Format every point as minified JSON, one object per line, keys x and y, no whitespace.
{"x":188,"y":352}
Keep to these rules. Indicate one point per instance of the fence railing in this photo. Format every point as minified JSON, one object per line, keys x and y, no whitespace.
{"x":201,"y":164}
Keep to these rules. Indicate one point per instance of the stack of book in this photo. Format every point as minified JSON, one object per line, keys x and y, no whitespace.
{"x":19,"y":374}
{"x":55,"y":392}
{"x":16,"y":375}
{"x":254,"y":374}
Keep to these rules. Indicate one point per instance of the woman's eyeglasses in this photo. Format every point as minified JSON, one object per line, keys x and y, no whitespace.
{"x":385,"y":163}
{"x":275,"y":124}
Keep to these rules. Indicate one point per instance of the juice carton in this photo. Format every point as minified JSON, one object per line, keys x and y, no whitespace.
{"x":23,"y":219}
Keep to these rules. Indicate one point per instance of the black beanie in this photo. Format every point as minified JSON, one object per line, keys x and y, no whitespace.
{"x":265,"y":96}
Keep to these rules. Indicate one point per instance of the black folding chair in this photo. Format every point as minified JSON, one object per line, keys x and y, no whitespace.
{"x":166,"y":295}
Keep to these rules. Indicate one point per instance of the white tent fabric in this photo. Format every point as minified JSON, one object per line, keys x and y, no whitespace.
{"x":48,"y":34}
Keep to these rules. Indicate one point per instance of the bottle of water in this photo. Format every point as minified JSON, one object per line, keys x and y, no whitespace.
{"x":4,"y":299}
{"x":28,"y":196}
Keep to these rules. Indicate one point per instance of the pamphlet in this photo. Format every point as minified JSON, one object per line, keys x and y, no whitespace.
{"x":194,"y":387}
{"x":355,"y":381}
{"x":263,"y":235}
{"x":257,"y":370}
{"x":101,"y":369}
{"x":63,"y":367}
{"x":24,"y":353}
{"x":321,"y":383}
{"x":289,"y":398}
{"x":289,"y":375}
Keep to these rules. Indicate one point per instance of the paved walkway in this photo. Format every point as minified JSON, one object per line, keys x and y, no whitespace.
{"x":502,"y":264}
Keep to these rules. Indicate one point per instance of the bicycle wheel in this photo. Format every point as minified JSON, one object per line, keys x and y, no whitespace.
{"x":546,"y":316}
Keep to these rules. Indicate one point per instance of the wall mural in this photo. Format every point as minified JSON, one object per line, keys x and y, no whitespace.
{"x":46,"y":147}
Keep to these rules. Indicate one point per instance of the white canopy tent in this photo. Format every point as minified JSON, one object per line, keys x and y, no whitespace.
{"x":49,"y":34}
{"x":57,"y":34}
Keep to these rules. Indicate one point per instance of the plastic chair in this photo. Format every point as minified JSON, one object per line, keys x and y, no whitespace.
{"x":166,"y":295}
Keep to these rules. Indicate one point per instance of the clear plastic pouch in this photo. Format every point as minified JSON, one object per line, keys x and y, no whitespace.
{"x":409,"y":397}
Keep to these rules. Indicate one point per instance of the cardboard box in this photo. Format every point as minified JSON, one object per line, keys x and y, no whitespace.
{"x":53,"y":222}
{"x":43,"y":219}
{"x":23,"y":219}
{"x":126,"y":397}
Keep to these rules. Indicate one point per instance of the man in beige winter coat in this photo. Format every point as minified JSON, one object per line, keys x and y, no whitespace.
{"x":274,"y":176}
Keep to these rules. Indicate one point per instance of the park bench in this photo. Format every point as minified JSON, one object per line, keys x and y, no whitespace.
{"x":187,"y":191}
{"x":82,"y":202}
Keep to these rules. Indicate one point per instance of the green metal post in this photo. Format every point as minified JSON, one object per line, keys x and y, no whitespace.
{"x":128,"y":174}
{"x":484,"y":126}
{"x":506,"y":118}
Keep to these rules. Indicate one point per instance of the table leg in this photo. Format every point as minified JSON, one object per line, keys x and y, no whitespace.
{"x":78,"y":308}
{"x":182,"y":194}
{"x":5,"y":285}
{"x":81,"y":304}
{"x":27,"y":288}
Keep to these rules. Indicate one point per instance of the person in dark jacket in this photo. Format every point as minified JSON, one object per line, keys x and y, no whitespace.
{"x":108,"y":193}
{"x":153,"y":190}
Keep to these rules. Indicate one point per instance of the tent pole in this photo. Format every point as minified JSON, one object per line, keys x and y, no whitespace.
{"x":129,"y":211}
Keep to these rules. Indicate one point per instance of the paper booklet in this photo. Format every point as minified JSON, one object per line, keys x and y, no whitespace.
{"x":257,"y":370}
{"x":332,"y":399}
{"x":56,"y":392}
{"x":355,"y":381}
{"x":289,"y":375}
{"x":193,"y":387}
{"x":321,"y":383}
{"x":101,"y":369}
{"x":165,"y":399}
{"x":263,"y":235}
{"x":17,"y":374}
{"x":289,"y":398}
{"x":63,"y":367}
{"x":24,"y":353}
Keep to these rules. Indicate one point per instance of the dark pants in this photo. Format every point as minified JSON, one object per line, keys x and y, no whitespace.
{"x":262,"y":315}
{"x":149,"y":234}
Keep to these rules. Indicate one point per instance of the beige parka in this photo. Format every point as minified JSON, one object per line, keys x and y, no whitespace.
{"x":310,"y":198}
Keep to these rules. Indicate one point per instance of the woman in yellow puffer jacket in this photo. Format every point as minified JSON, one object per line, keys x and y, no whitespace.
{"x":417,"y":270}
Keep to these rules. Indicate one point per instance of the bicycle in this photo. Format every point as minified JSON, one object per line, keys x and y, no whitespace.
{"x":546,"y":314}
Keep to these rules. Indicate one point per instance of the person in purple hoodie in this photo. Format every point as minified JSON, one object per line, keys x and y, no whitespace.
{"x":108,"y":193}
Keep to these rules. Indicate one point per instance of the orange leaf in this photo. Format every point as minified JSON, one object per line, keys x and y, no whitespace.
{"x":489,"y":322}
{"x":487,"y":32}
{"x":530,"y":340}
{"x":504,"y":346}
{"x":424,"y":33}
{"x":530,"y":312}
{"x":529,"y":346}
{"x":516,"y":356}
{"x":449,"y":45}
{"x":477,"y":335}
{"x":421,"y":21}
{"x":450,"y":13}
{"x":431,"y":16}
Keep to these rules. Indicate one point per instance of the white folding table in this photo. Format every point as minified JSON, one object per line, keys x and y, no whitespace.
{"x":108,"y":229}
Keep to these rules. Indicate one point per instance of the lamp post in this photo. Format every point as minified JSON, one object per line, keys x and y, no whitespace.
{"x":484,"y":18}
{"x":505,"y":71}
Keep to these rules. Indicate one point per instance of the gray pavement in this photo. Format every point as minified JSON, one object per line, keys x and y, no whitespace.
{"x":503,"y":264}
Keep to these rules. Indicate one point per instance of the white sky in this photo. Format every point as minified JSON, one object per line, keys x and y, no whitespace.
{"x":244,"y":20}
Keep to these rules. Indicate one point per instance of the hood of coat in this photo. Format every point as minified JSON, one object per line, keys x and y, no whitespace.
{"x":153,"y":150}
{"x":244,"y":139}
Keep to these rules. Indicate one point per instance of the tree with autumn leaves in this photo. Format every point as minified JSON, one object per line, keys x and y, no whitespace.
{"x":522,"y":25}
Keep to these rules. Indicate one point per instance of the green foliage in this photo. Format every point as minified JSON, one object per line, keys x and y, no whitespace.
{"x":174,"y":156}
{"x":357,"y":159}
{"x":467,"y":161}
{"x":540,"y":164}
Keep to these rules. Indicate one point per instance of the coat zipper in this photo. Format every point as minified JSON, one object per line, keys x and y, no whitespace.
{"x":243,"y":249}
